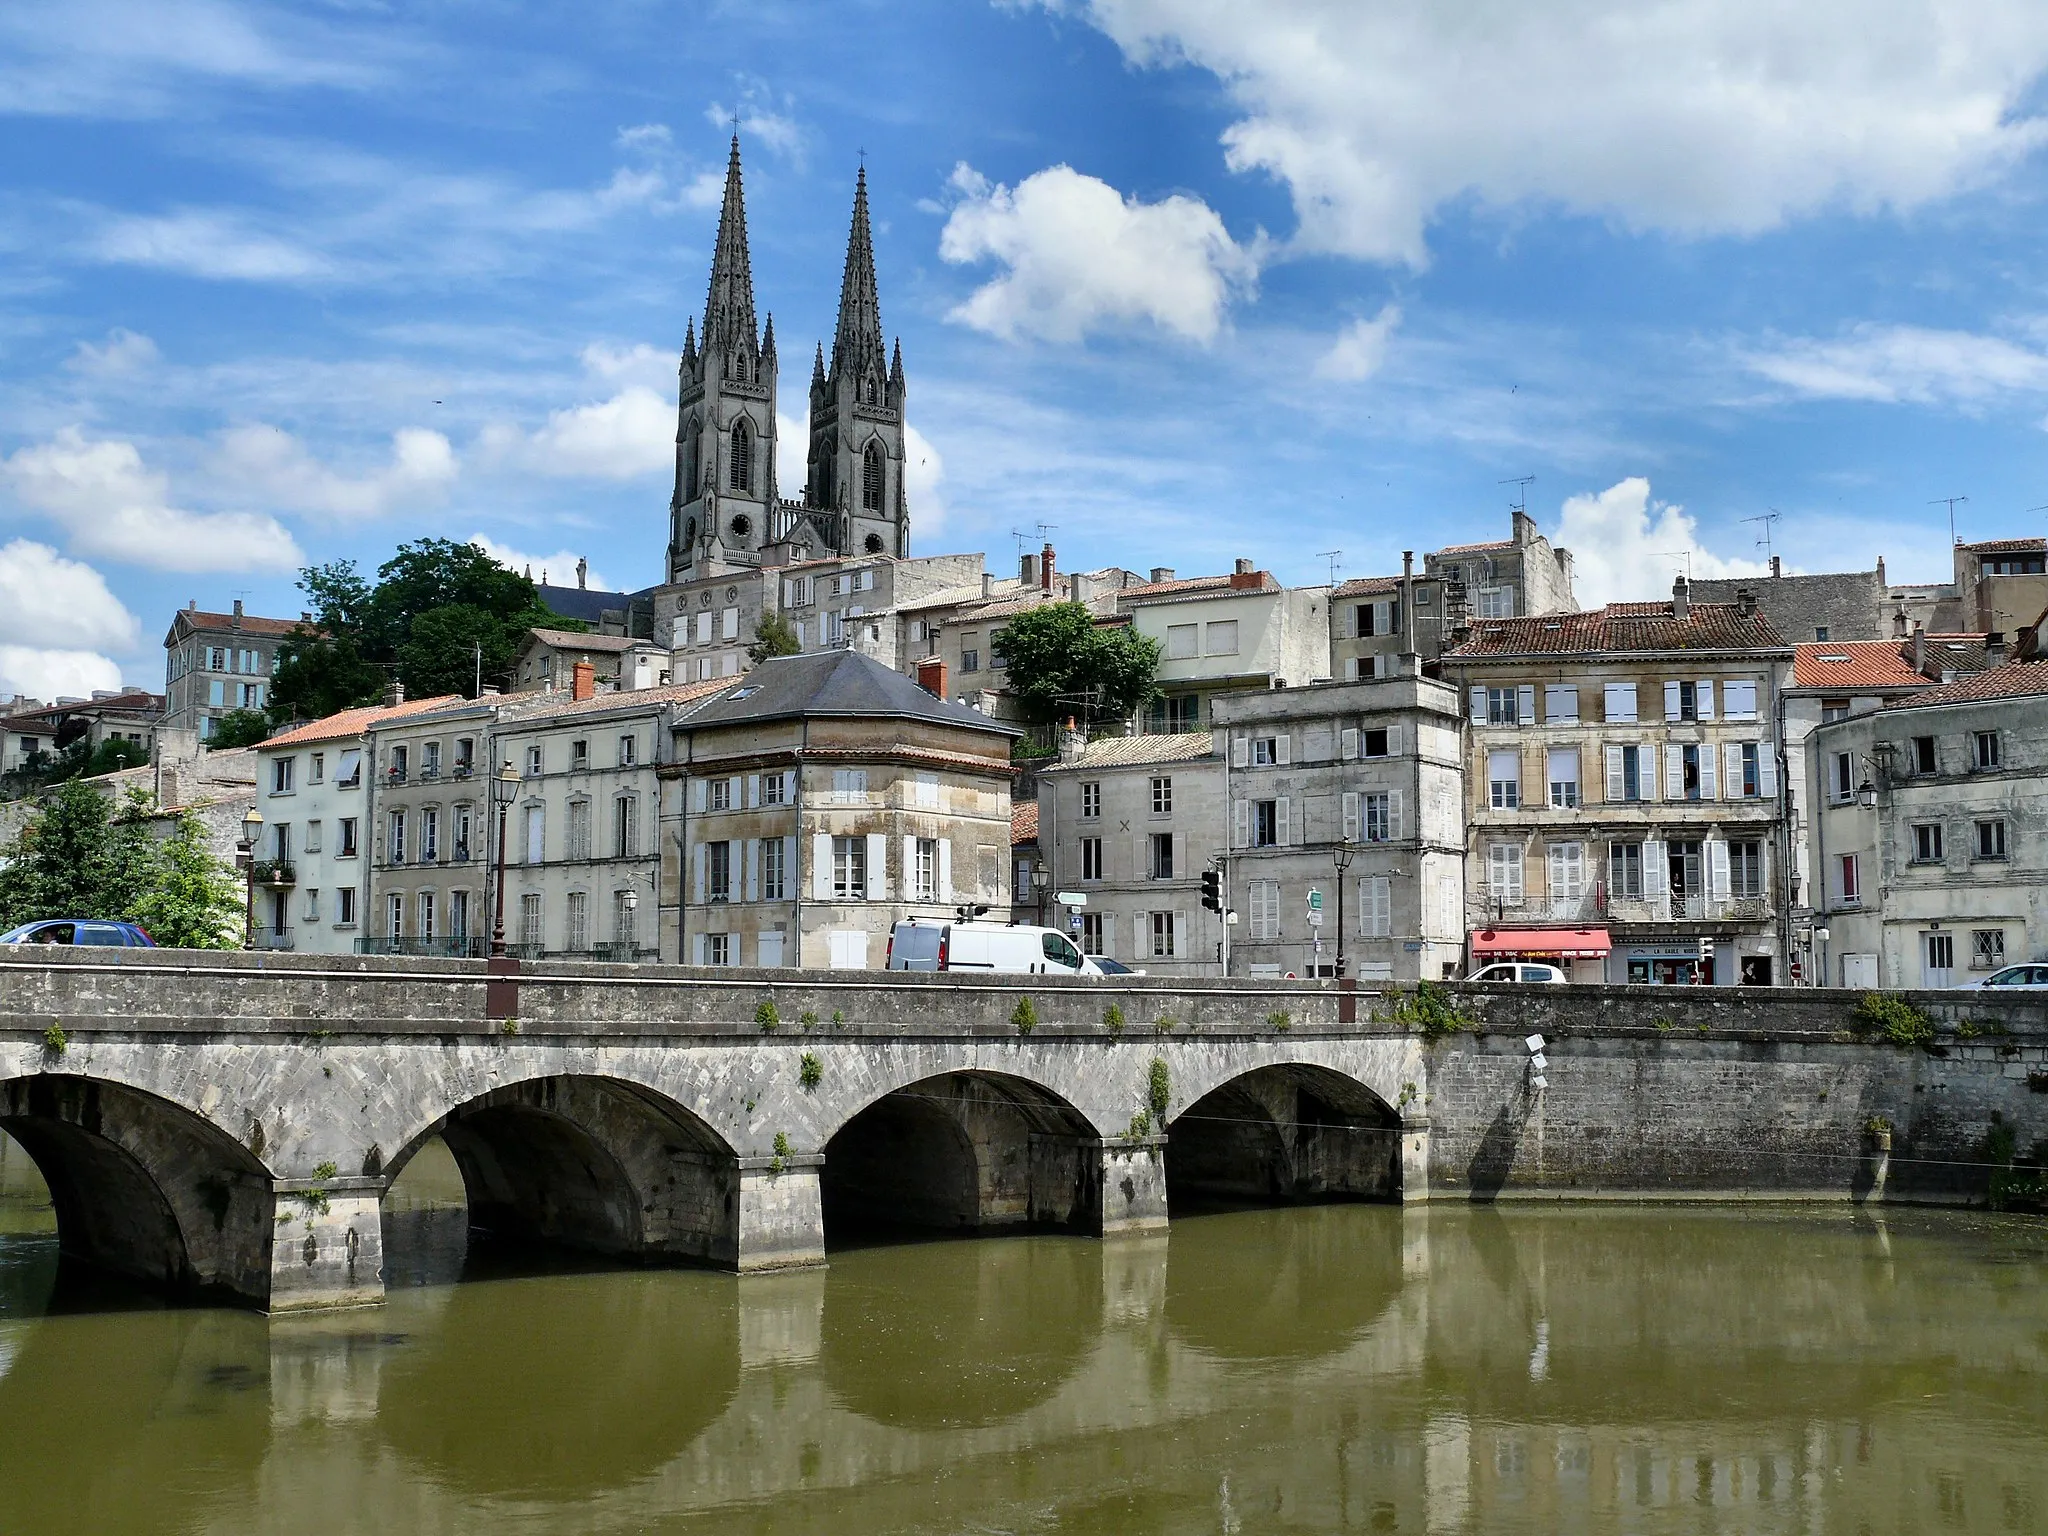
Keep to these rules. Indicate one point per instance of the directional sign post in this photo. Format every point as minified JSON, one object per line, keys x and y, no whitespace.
{"x":1072,"y":898}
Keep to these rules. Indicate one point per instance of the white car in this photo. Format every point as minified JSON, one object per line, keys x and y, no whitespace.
{"x":1013,"y":949}
{"x":1520,"y":971}
{"x":2024,"y":977}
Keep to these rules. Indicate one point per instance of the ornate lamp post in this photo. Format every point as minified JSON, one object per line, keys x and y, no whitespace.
{"x":504,"y":789}
{"x":1341,"y":856}
{"x":245,"y":852}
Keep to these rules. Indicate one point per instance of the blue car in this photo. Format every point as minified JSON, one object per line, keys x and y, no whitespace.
{"x":79,"y":930}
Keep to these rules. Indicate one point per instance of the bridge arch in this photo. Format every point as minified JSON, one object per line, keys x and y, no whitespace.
{"x":962,"y":1151}
{"x":1285,"y":1133}
{"x":144,"y":1187}
{"x":593,"y":1162}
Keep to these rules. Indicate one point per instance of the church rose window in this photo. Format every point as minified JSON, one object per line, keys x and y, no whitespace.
{"x":874,"y":544}
{"x":740,"y":529}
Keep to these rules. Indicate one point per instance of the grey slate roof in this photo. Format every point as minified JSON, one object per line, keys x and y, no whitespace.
{"x":585,"y":603}
{"x":843,"y":684}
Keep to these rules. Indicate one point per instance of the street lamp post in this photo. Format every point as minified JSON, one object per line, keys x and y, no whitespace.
{"x":504,"y":788}
{"x":1341,"y":855}
{"x":252,"y":828}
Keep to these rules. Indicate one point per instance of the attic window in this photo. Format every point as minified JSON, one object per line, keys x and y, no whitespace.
{"x":1838,"y":660}
{"x":745,"y":693}
{"x":1553,"y":626}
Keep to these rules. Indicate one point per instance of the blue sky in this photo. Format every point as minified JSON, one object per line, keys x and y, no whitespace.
{"x":1183,"y":279}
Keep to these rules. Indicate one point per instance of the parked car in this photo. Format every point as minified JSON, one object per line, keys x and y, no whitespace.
{"x":2024,"y":976}
{"x":1018,"y":950}
{"x":1520,"y":971}
{"x":80,"y":930}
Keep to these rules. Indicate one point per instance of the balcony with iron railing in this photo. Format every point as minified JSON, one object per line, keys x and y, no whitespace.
{"x":275,"y":873}
{"x":1596,"y":907}
{"x":274,"y":938}
{"x":439,"y":948}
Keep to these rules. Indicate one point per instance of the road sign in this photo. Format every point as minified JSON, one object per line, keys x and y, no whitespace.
{"x":1315,"y":899}
{"x":1315,"y":918}
{"x":1074,"y":923}
{"x":1072,"y":898}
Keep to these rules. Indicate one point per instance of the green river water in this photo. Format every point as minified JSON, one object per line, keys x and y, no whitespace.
{"x":1336,"y":1368}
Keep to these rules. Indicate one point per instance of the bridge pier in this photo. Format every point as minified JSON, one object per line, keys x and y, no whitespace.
{"x":781,"y":1213}
{"x":1414,"y":1156}
{"x":1133,"y":1185}
{"x":326,"y":1245}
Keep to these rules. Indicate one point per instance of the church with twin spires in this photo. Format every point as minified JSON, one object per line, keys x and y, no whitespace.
{"x":728,"y":509}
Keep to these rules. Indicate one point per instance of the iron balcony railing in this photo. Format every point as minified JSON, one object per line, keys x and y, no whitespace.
{"x":275,"y":872}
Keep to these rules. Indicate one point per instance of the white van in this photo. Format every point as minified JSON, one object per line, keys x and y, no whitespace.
{"x":934,"y":946}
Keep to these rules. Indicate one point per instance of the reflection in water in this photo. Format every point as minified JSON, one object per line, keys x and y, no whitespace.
{"x":938,"y":1335}
{"x":1281,"y":1285}
{"x":1608,"y":1370}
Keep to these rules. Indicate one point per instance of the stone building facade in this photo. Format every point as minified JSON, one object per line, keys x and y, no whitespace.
{"x":1130,"y":823}
{"x":1929,"y":832}
{"x":1221,"y":635}
{"x":1833,"y":606}
{"x":1626,"y":811}
{"x":810,"y":806}
{"x":426,"y":815}
{"x":218,"y":662}
{"x":728,"y":508}
{"x":1353,"y":792}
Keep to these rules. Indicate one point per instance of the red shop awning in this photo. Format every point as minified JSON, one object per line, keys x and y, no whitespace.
{"x":1569,"y":943}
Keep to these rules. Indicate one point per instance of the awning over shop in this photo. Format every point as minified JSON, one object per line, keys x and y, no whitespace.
{"x":1570,"y":943}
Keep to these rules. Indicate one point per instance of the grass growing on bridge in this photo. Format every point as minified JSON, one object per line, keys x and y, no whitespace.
{"x":766,"y":1016}
{"x":809,"y":1070}
{"x":55,"y":1041}
{"x":1893,"y":1020}
{"x":1430,"y":1010}
{"x":1025,"y":1016}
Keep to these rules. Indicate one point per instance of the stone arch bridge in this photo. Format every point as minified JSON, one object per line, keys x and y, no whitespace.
{"x":229,"y":1124}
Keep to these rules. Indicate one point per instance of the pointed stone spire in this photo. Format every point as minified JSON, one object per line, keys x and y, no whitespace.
{"x":818,"y":368}
{"x":729,"y":310}
{"x":768,"y":337}
{"x":690,"y":343}
{"x":858,"y":340}
{"x":896,"y":367}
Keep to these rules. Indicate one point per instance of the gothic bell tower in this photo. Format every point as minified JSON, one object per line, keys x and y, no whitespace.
{"x":725,"y":495}
{"x":854,"y":492}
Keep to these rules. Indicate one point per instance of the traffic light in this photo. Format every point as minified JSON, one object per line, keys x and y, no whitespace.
{"x":1212,"y":890}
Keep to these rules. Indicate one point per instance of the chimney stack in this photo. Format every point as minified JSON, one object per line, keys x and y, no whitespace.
{"x":1161,"y":573}
{"x":1777,"y":568}
{"x":1745,"y":601}
{"x":1681,"y":599}
{"x":1994,"y":647}
{"x":1027,"y":570}
{"x":931,"y":676}
{"x":1073,"y":741}
{"x":1244,"y":567}
{"x":238,"y":613}
{"x":583,"y":680}
{"x":1899,"y":625}
{"x":1920,"y":648}
{"x":394,"y":694}
{"x":1045,"y":564}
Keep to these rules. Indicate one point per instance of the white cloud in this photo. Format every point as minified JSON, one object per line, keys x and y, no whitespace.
{"x":1690,"y":116}
{"x":756,"y":120}
{"x":112,"y":505}
{"x":49,"y":675}
{"x":1627,"y":548}
{"x":209,"y":245}
{"x":628,"y":434}
{"x":558,"y":568}
{"x":49,"y":601}
{"x":1360,"y":347}
{"x":1895,"y":363}
{"x":923,"y":473}
{"x":268,"y":462}
{"x":124,"y":352}
{"x":1078,"y":256}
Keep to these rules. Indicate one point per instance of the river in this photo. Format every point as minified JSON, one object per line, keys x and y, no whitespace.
{"x":1335,"y":1368}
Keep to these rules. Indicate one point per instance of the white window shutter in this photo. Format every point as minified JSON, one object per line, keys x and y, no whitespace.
{"x":1240,"y":752}
{"x":1280,"y":829}
{"x":1479,"y":706}
{"x":1707,"y":786}
{"x":1653,"y":869}
{"x":821,"y":866}
{"x":1348,"y":744}
{"x":799,"y":627}
{"x":1731,"y":770}
{"x":1671,"y":701}
{"x":1554,"y":875}
{"x":1393,"y":741}
{"x":1674,"y":773}
{"x":1387,"y":616}
{"x":1351,"y":668}
{"x":1704,"y":693}
{"x":945,"y":869}
{"x":1767,"y":770}
{"x":909,"y":869}
{"x":1525,"y":703}
{"x":1240,"y":823}
{"x":753,"y":791}
{"x":878,"y":867}
{"x":1393,"y":815}
{"x":696,"y":949}
{"x":1717,"y":870}
{"x":1614,"y":783}
{"x":698,"y":794}
{"x":1350,"y":816}
{"x":1283,"y":747}
{"x":753,"y":847}
{"x":699,"y":879}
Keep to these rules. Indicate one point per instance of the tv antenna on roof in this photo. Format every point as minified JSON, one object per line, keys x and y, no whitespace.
{"x":1950,"y":503}
{"x":1678,"y":554}
{"x":1766,"y":518}
{"x":1523,"y":482}
{"x":1336,"y":558}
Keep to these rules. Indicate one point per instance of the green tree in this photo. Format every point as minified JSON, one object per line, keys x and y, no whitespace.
{"x":78,"y":856}
{"x":1060,"y":662}
{"x":773,"y":636}
{"x":239,"y":728}
{"x":112,"y":755}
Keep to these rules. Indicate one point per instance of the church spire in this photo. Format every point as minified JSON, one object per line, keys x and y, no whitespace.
{"x":729,"y":310}
{"x":858,"y":340}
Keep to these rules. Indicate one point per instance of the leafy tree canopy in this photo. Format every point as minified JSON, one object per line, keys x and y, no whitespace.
{"x":773,"y":636}
{"x":239,"y":728}
{"x":79,"y":856}
{"x":1061,"y":663}
{"x":433,"y":604}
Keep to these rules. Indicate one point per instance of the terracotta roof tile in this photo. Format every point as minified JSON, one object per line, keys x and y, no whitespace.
{"x":578,"y":640}
{"x":1854,"y":664}
{"x":1024,"y":822}
{"x":2007,"y":546}
{"x":1198,"y":586}
{"x":248,"y":624}
{"x":1624,"y":627}
{"x":1473,"y":549}
{"x":1368,"y":586}
{"x":2009,"y":680}
{"x":353,"y":722}
{"x":1141,"y":751}
{"x":528,"y":708}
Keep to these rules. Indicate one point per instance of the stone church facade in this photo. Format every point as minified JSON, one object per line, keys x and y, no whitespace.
{"x":728,"y":511}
